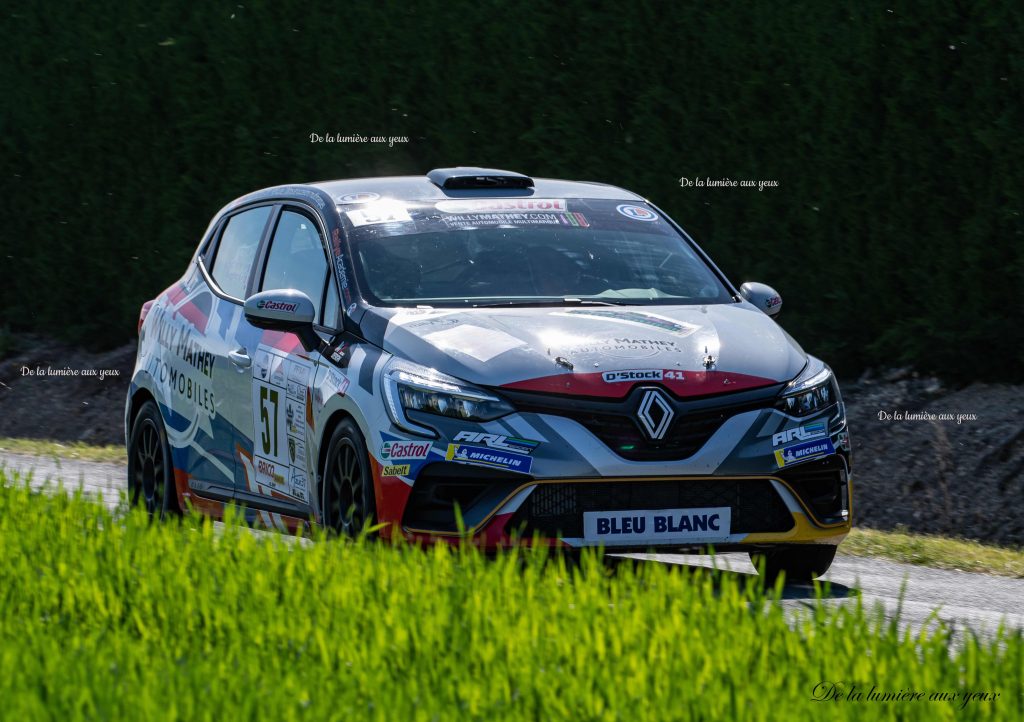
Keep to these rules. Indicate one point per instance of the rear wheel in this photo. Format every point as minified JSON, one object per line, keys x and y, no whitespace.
{"x":150,"y":472}
{"x":346,"y":487}
{"x":800,"y":563}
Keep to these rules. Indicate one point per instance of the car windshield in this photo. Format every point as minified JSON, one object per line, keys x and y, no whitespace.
{"x":484,"y":252}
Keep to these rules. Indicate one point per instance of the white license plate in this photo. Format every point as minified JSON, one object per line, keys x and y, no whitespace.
{"x":656,"y":526}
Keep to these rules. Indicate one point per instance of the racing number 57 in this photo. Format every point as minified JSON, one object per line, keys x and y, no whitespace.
{"x":269,"y":433}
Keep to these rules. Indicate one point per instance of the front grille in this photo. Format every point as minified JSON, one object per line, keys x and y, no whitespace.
{"x":615,"y":422}
{"x":557,"y":509}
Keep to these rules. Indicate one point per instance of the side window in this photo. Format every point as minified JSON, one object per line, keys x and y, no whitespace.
{"x":332,"y":305}
{"x":237,"y":250}
{"x":296,"y":258}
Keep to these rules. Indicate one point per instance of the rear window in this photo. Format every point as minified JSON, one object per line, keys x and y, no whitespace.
{"x":459,"y":252}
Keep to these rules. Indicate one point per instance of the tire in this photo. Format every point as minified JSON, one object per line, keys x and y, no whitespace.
{"x":800,"y":563}
{"x":347,"y":496}
{"x":150,"y":470}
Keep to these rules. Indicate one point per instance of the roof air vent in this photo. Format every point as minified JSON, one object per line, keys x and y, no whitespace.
{"x":464,"y":178}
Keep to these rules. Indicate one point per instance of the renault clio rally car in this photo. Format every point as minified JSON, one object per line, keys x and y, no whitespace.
{"x":477,"y":354}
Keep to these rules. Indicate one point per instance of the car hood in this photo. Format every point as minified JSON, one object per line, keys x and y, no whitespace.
{"x":598,"y":350}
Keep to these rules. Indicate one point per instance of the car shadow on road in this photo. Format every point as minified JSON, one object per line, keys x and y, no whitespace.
{"x":791,"y":590}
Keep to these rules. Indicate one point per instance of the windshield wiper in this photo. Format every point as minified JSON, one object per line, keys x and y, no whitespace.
{"x":551,"y":302}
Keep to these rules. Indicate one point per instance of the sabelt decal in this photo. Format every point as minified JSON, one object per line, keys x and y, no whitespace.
{"x":631,"y":375}
{"x":498,"y":441}
{"x":803,"y":433}
{"x":803,"y":452}
{"x":504,"y":205}
{"x":404,"y":450}
{"x":395,"y":470}
{"x":485,"y":456}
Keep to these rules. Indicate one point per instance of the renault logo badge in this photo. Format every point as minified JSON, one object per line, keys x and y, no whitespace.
{"x":655,"y":414}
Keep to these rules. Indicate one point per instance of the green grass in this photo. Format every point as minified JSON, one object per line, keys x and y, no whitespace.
{"x":113,"y":617}
{"x":935,"y":551}
{"x":64,"y":450}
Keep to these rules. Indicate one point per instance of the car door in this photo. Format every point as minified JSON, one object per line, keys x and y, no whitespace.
{"x":278,"y":444}
{"x":230,"y":265}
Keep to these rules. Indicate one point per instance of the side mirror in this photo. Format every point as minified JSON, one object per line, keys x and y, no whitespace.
{"x":285,"y":310}
{"x":764,"y":297}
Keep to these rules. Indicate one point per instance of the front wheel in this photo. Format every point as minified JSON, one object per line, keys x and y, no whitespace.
{"x":346,"y":486}
{"x":800,"y":563}
{"x":150,"y":471}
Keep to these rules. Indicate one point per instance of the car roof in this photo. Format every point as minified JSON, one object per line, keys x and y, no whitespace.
{"x":420,"y":188}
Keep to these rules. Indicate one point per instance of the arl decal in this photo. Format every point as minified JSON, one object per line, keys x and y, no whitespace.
{"x":803,"y":452}
{"x":395,"y":470}
{"x":615,"y":377}
{"x":499,"y":442}
{"x":489,"y":457}
{"x":402,"y":450}
{"x":803,"y":433}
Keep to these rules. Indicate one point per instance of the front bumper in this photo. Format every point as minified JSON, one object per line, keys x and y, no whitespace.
{"x":575,"y":472}
{"x":812,"y":506}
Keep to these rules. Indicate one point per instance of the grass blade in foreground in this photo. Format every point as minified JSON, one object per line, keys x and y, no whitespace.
{"x":119,"y":618}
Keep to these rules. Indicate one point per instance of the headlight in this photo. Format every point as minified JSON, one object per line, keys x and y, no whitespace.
{"x":813,"y":390}
{"x":410,"y":387}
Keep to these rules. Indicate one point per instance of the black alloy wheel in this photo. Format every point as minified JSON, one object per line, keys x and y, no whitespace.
{"x":347,"y":494}
{"x":150,"y":471}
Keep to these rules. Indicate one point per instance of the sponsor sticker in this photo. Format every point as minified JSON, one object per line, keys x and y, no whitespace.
{"x":381,"y":212}
{"x":504,"y":205}
{"x":486,"y":456}
{"x":637,"y":213}
{"x":662,"y":323}
{"x":656,"y":526}
{"x":296,"y":452}
{"x":298,"y":485}
{"x":269,"y":305}
{"x":402,"y":450}
{"x":803,"y":433}
{"x":395,"y":470}
{"x":803,"y":452}
{"x":615,"y":377}
{"x":473,"y":220}
{"x":361,"y":197}
{"x":626,"y":348}
{"x":773,"y":302}
{"x":498,"y":441}
{"x":298,"y":376}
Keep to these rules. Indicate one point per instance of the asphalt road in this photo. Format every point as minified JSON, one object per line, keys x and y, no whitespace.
{"x":964,"y":600}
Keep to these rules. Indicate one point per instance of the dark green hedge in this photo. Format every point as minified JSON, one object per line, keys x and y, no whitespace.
{"x":893,"y":130}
